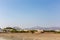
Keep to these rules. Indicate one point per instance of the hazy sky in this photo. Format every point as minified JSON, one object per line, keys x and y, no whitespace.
{"x":29,"y":13}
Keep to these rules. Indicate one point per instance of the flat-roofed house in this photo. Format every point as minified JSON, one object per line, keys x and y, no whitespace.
{"x":39,"y":31}
{"x":57,"y":30}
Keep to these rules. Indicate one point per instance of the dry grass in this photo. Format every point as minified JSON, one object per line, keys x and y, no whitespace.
{"x":27,"y":36}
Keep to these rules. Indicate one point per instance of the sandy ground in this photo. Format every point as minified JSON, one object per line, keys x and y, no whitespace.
{"x":30,"y":36}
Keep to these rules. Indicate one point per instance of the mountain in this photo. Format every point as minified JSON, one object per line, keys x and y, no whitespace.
{"x":34,"y":28}
{"x":17,"y":28}
{"x":43,"y":28}
{"x":55,"y":28}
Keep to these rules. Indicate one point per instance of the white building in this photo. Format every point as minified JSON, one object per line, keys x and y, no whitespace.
{"x":39,"y":31}
{"x":57,"y":30}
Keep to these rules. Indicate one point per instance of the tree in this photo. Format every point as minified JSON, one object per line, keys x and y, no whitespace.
{"x":9,"y":29}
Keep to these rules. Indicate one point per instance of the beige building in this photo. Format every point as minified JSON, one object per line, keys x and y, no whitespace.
{"x":39,"y":31}
{"x":57,"y":30}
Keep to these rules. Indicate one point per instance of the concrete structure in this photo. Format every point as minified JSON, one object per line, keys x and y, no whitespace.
{"x":39,"y":31}
{"x":57,"y":30}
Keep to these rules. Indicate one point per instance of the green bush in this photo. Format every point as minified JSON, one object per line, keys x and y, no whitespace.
{"x":49,"y":31}
{"x":23,"y":31}
{"x":33,"y":31}
{"x":13,"y":31}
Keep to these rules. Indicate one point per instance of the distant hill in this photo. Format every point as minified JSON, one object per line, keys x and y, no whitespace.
{"x":43,"y":28}
{"x":35,"y":27}
{"x":17,"y":28}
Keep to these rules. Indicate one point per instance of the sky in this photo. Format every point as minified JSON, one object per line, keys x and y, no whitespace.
{"x":30,"y":13}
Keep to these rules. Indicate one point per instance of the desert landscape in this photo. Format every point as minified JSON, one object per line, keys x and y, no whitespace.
{"x":30,"y":36}
{"x":29,"y":19}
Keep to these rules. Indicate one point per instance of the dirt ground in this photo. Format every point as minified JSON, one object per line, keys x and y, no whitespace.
{"x":30,"y":36}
